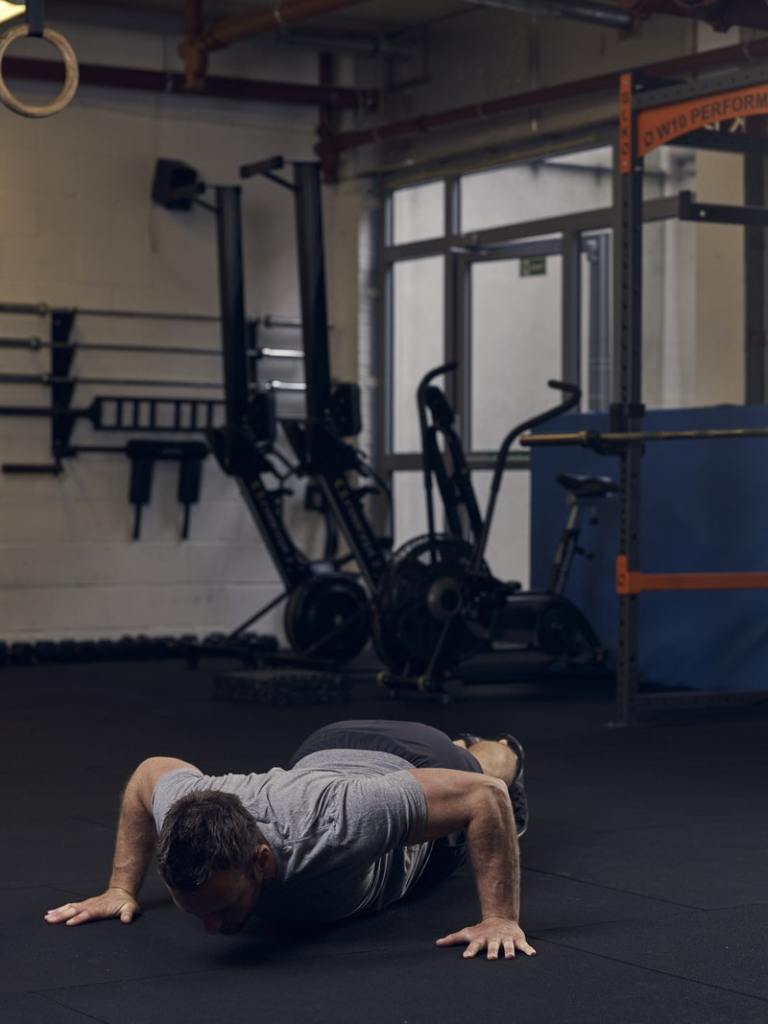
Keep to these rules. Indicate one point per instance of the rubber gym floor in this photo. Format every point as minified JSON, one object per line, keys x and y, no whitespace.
{"x":645,"y":870}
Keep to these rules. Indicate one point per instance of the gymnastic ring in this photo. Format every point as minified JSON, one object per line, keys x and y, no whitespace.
{"x":71,"y":74}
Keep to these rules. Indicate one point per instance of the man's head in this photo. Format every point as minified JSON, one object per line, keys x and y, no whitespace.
{"x":214,"y":859}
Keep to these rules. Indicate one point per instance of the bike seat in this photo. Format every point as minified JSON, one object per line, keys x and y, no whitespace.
{"x":587,"y":486}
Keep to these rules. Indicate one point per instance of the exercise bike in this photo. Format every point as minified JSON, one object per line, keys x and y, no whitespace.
{"x":439,"y":604}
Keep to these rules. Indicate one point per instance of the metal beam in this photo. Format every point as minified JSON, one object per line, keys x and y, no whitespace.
{"x":719,"y":213}
{"x":755,"y":269}
{"x":232,"y":302}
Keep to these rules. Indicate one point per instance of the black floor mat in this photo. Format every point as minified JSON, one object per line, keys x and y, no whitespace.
{"x":644,"y":882}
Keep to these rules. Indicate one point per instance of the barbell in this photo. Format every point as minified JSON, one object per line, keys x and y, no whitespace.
{"x":598,"y":438}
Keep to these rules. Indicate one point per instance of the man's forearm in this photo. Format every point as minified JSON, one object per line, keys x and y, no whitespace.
{"x":495,"y":856}
{"x":135,"y":840}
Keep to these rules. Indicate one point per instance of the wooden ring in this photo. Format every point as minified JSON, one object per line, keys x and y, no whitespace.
{"x":71,"y":74}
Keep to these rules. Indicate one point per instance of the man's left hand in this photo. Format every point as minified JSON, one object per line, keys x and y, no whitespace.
{"x":494,"y":934}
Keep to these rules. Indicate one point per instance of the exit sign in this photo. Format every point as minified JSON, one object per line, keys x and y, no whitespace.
{"x":532,"y":266}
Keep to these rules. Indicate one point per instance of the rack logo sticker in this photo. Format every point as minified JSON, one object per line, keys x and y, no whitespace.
{"x":658,"y":125}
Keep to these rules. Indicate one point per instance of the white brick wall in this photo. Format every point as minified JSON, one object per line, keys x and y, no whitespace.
{"x":77,"y":228}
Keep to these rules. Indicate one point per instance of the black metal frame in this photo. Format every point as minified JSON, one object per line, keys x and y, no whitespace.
{"x":628,"y":410}
{"x":331,"y":460}
{"x":625,"y":220}
{"x":243,"y":446}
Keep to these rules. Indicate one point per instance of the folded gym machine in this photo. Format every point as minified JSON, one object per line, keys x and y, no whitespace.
{"x":333,"y":607}
{"x":439,"y":605}
{"x":326,"y":615}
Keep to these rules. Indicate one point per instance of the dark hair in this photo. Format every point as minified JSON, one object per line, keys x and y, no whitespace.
{"x":205,"y":832}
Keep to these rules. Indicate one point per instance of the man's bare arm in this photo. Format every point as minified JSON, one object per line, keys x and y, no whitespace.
{"x":134,"y":847}
{"x":480,"y":806}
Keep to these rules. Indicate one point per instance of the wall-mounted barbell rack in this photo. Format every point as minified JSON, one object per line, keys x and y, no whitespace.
{"x":166,"y":414}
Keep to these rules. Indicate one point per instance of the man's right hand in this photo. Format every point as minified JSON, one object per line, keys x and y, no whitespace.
{"x":112,"y":903}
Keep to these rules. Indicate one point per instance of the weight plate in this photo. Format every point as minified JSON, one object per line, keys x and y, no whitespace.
{"x":328,"y":617}
{"x":424,"y":594}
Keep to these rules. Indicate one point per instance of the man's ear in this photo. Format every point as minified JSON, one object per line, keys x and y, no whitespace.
{"x":264,"y":863}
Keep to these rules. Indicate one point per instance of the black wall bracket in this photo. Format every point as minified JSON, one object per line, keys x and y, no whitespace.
{"x":144,"y":454}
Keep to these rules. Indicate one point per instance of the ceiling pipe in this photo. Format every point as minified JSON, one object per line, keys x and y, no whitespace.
{"x":578,"y":10}
{"x":330,"y":148}
{"x":219,"y":87}
{"x":193,"y":18}
{"x":365,"y":46}
{"x":194,"y":49}
{"x":720,"y":14}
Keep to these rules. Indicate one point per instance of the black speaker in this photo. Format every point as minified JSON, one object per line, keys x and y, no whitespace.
{"x":175,"y":185}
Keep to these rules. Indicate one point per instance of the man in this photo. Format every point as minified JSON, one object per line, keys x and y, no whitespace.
{"x":367,"y":810}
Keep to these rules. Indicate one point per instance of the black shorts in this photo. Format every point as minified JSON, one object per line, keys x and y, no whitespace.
{"x":422,"y":746}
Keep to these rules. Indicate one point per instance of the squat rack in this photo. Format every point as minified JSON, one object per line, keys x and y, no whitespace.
{"x":650,"y":115}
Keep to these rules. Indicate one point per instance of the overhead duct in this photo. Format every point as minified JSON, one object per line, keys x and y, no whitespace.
{"x":330,"y":147}
{"x":578,"y":10}
{"x":720,"y":14}
{"x":199,"y":42}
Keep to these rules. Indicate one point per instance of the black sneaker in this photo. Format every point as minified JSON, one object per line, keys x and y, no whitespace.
{"x":517,"y":786}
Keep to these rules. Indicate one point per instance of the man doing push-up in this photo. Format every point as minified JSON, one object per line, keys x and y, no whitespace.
{"x":366,"y":811}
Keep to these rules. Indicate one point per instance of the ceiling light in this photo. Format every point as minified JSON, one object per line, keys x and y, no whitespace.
{"x":11,"y":10}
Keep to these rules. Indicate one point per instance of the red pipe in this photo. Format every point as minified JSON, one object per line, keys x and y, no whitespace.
{"x":215,"y":86}
{"x":194,"y":49}
{"x":331,"y":146}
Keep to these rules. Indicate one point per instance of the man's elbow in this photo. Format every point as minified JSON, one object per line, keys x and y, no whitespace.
{"x":492,"y":802}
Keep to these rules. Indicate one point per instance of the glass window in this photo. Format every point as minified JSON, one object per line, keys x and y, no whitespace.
{"x":543,"y":188}
{"x":418,"y":314}
{"x":508,"y":551}
{"x":515,"y":344}
{"x":418,"y":213}
{"x":410,"y":506}
{"x":669,"y":316}
{"x":670,"y":312}
{"x":669,"y":170}
{"x":719,"y":178}
{"x":693,"y":286}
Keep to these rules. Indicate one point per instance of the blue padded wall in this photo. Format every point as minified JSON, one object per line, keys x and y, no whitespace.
{"x":703,"y":509}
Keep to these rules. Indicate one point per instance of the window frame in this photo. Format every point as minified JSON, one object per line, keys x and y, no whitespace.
{"x":455,"y":246}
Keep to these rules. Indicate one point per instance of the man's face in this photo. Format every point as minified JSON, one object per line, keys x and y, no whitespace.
{"x":225,"y":902}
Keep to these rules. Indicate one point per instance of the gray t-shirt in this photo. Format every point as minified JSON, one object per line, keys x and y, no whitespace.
{"x":344,"y":826}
